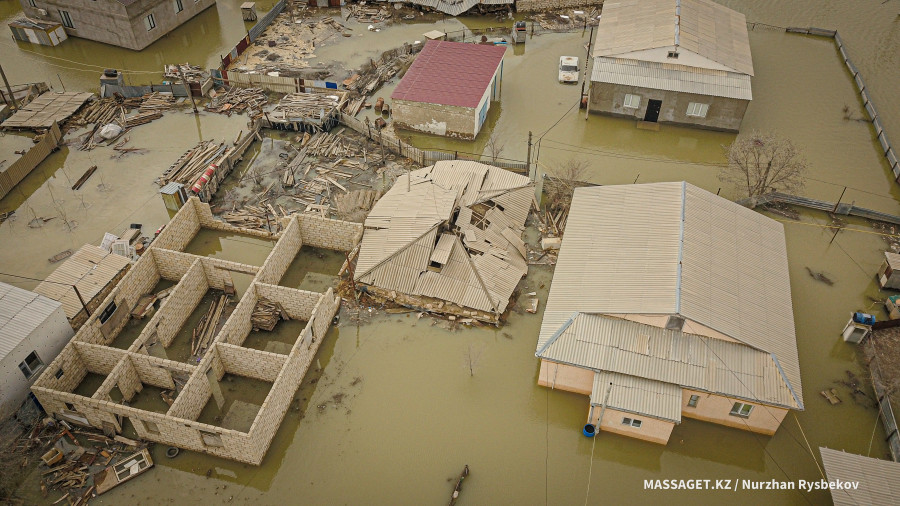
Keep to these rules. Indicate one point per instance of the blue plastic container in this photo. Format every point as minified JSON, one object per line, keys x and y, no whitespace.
{"x":864,"y":318}
{"x":589,"y":430}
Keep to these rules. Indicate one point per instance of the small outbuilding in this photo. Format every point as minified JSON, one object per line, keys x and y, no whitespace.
{"x":888,"y":274}
{"x":33,"y":330}
{"x":685,"y":62}
{"x":449,"y":88}
{"x":877,"y":481}
{"x":46,"y":33}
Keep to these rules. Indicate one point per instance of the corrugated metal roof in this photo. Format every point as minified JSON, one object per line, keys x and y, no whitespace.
{"x":637,"y":395}
{"x":450,"y":73}
{"x":21,"y":311}
{"x":171,"y":188}
{"x":673,"y":248}
{"x":892,"y":258}
{"x":879,"y":480}
{"x":456,"y":7}
{"x":408,"y":229}
{"x":704,"y":28}
{"x":666,"y":76}
{"x":46,"y":109}
{"x":91,"y":268}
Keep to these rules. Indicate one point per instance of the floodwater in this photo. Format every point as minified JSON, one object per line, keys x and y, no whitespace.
{"x":392,"y":409}
{"x":313,"y":269}
{"x":246,"y":249}
{"x":242,"y":398}
{"x":280,"y":340}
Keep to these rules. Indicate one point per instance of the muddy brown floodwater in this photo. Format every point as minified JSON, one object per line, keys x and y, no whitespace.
{"x":391,"y":409}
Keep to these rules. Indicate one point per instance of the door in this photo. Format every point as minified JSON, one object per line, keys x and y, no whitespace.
{"x":653,"y":107}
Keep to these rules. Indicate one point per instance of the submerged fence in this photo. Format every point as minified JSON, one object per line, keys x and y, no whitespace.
{"x":16,"y":172}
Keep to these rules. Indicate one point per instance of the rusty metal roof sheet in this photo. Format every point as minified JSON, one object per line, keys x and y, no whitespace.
{"x":91,"y":268}
{"x":671,"y":77}
{"x":879,"y":480}
{"x":410,"y":227}
{"x":21,"y":312}
{"x":604,"y":343}
{"x":675,"y":249}
{"x":714,"y":33}
{"x":450,"y":73}
{"x":636,"y":395}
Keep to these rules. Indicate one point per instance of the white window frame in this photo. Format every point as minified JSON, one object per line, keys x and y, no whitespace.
{"x":29,"y":370}
{"x":150,"y":21}
{"x":179,"y":6}
{"x":632,"y":422}
{"x":66,"y":19}
{"x":741,"y":410}
{"x":632,"y":101}
{"x":697,"y":110}
{"x":693,"y":401}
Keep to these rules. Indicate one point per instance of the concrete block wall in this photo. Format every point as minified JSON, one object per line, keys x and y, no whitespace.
{"x":207,"y":220}
{"x":545,"y":5}
{"x":127,"y":379}
{"x":99,"y":359}
{"x":324,"y":313}
{"x":157,"y":372}
{"x":216,"y":268}
{"x":180,"y":230}
{"x":172,"y":265}
{"x":282,"y":254}
{"x":255,"y":364}
{"x":179,"y":306}
{"x":143,"y":277}
{"x":298,"y":304}
{"x":192,"y":399}
{"x":437,"y":119}
{"x":329,"y":234}
{"x":72,"y":367}
{"x":237,"y":326}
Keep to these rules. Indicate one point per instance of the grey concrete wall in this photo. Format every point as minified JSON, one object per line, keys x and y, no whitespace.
{"x":545,"y":5}
{"x":111,"y":22}
{"x":724,"y":113}
{"x":448,"y":120}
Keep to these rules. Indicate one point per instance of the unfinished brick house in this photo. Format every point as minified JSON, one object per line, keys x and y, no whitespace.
{"x":99,"y":381}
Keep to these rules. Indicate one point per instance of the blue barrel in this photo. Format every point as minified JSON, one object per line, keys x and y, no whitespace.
{"x":864,"y":318}
{"x":589,"y":430}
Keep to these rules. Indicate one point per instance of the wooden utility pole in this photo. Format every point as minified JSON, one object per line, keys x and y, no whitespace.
{"x":839,"y":201}
{"x":187,"y":87}
{"x":9,"y":89}
{"x":528,"y":159}
{"x":81,"y":299}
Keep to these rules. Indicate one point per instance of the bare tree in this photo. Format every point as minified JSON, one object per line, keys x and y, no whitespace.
{"x":763,"y":162}
{"x":471,"y":357}
{"x":495,"y":145}
{"x":59,"y":205}
{"x":562,"y":181}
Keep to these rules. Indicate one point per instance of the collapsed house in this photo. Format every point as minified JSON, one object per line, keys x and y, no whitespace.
{"x":224,"y":392}
{"x":447,"y":239}
{"x":679,"y":311}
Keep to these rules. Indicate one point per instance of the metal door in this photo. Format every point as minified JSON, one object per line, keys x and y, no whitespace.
{"x":653,"y":107}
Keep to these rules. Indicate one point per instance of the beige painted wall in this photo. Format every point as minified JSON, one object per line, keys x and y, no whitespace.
{"x":566,"y":377}
{"x":716,"y":408}
{"x":651,"y":429}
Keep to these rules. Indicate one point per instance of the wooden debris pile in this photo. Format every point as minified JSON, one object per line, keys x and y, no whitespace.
{"x":267,"y":314}
{"x":239,"y":100}
{"x":368,"y":14}
{"x":191,"y":73}
{"x":206,"y":329}
{"x":305,"y":106}
{"x":355,"y":205}
{"x":254,"y":217}
{"x":187,"y":169}
{"x":157,"y":102}
{"x":102,"y":111}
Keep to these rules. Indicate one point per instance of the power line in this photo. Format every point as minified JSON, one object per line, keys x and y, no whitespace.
{"x":76,"y":62}
{"x":35,"y":279}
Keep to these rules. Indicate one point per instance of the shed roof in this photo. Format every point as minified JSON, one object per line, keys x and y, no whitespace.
{"x":46,"y":109}
{"x":711,"y":31}
{"x":671,"y":77}
{"x":673,"y":248}
{"x":21,"y":311}
{"x":637,"y":395}
{"x":91,"y":268}
{"x":879,"y":480}
{"x":892,"y":259}
{"x":480,"y":253}
{"x":450,"y":73}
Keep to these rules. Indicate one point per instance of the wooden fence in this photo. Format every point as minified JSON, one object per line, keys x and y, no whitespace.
{"x":17,"y":171}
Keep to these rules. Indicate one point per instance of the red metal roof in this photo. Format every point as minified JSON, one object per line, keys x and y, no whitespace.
{"x":450,"y":73}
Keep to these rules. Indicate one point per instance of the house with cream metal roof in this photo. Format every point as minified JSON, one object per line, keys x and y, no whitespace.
{"x":447,"y":239}
{"x":672,"y":61}
{"x":878,"y":480}
{"x":669,"y":302}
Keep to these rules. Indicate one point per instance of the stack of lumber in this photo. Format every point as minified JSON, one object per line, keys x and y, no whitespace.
{"x":353,"y":107}
{"x":304,"y":106}
{"x":383,"y":73}
{"x":100,"y":112}
{"x":157,"y":102}
{"x":238,"y":100}
{"x":250,"y":217}
{"x":142,"y":118}
{"x":266,"y":315}
{"x":365,"y":14}
{"x":191,"y":73}
{"x":192,"y":164}
{"x":206,"y":329}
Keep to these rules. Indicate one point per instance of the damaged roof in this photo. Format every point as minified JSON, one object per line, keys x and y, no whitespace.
{"x":91,"y":268}
{"x":450,"y":73}
{"x":714,"y":34}
{"x":46,"y":109}
{"x":675,"y":249}
{"x":476,"y":259}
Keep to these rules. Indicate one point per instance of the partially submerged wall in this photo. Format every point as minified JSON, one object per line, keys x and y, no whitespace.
{"x":547,"y":5}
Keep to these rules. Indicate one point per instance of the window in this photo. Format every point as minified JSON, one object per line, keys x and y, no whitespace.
{"x":632,"y":422}
{"x":675,"y":323}
{"x":59,"y":373}
{"x":150,"y":22}
{"x":672,"y":54}
{"x":178,"y":6}
{"x":741,"y":409}
{"x":66,"y":19}
{"x":632,"y":101}
{"x":697,"y":110}
{"x":110,"y":309}
{"x":692,"y":403}
{"x":211,"y":439}
{"x":150,"y":427}
{"x":31,"y":365}
{"x":70,"y":406}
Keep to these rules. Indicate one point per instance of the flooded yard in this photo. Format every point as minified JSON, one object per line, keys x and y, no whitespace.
{"x":241,"y":248}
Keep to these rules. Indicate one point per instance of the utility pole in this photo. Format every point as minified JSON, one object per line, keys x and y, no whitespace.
{"x":187,"y":87}
{"x":528,"y":159}
{"x":86,"y":310}
{"x":838,"y":202}
{"x":587,"y":59}
{"x":8,"y":89}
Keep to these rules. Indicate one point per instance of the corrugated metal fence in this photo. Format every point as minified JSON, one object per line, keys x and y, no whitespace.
{"x":17,"y":171}
{"x":252,"y":34}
